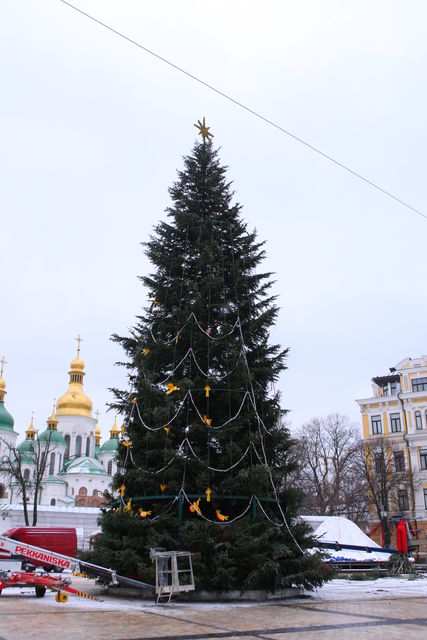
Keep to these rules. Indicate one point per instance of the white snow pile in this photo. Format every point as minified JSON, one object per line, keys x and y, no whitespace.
{"x":344,"y":531}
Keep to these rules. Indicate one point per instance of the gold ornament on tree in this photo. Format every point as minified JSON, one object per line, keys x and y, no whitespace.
{"x":203,"y":130}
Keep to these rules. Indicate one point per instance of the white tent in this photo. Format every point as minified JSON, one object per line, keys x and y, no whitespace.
{"x":340,"y":530}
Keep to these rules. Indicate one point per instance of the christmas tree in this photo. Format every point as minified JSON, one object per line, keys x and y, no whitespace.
{"x":204,"y":451}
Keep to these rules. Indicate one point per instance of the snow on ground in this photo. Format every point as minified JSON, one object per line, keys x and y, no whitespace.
{"x":338,"y":589}
{"x":344,"y":589}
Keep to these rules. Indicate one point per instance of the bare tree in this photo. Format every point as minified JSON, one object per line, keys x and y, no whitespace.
{"x":11,"y":467}
{"x":328,"y":450}
{"x":381,"y":464}
{"x":29,"y":485}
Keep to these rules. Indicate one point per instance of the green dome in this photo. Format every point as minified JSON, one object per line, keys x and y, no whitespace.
{"x":56,"y":438}
{"x":27,"y":446}
{"x":6,"y":420}
{"x":111,"y":445}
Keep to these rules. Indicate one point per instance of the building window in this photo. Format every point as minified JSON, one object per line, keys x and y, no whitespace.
{"x":393,"y":388}
{"x":419,"y":384}
{"x":395,"y":422}
{"x":110,"y":467}
{"x":425,"y":498}
{"x":418,"y":420}
{"x":423,"y":460}
{"x":402,"y":500}
{"x":52,"y":464}
{"x":78,"y":446}
{"x":376,"y":424}
{"x":2,"y":491}
{"x":26,"y":474}
{"x":399,"y":461}
{"x":379,"y":463}
{"x":67,"y":446}
{"x":87,"y":446}
{"x":53,"y":502}
{"x":82,"y":491}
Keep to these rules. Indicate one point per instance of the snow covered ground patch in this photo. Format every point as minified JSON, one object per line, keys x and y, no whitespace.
{"x":345,"y":589}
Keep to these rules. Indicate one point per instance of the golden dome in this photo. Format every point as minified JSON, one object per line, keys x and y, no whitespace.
{"x":52,"y":422}
{"x":77,"y":364}
{"x":30,"y":432}
{"x":97,"y":430}
{"x":115,"y":430}
{"x":75,"y":402}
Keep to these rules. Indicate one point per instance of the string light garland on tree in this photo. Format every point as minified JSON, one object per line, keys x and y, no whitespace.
{"x":202,"y":419}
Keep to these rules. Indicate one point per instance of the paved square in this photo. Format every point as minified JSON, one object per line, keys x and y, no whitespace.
{"x":341,"y":610}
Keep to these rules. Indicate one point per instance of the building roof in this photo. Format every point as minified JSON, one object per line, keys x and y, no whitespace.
{"x":110,"y":446}
{"x":54,"y":480}
{"x":56,"y":437}
{"x":6,"y":420}
{"x":84,"y":465}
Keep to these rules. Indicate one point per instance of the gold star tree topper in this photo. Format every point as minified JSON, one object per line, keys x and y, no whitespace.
{"x":203,"y":130}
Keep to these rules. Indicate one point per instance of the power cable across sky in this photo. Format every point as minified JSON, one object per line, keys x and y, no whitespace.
{"x":248,"y":109}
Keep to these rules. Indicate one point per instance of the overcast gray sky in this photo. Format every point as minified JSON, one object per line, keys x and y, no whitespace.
{"x":93,"y":131}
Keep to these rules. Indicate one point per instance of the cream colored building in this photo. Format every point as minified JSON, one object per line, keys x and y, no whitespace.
{"x":397,"y":410}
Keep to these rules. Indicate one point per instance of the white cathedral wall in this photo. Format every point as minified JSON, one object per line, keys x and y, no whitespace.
{"x":52,"y":491}
{"x":75,"y":426}
{"x":104,"y":459}
{"x":89,"y":481}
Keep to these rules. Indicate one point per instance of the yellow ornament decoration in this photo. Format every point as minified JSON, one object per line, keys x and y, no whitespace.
{"x":208,"y":494}
{"x":171,"y":388}
{"x":144,"y":514}
{"x":166,"y":430}
{"x":133,"y":401}
{"x":128,"y":506}
{"x":207,"y":421}
{"x":122,"y":490}
{"x":146,"y":351}
{"x":127,"y":443}
{"x":194,"y":507}
{"x":162,"y":488}
{"x":207,"y":391}
{"x":220,"y":516}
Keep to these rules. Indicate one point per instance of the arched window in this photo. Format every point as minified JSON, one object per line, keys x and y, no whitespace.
{"x":26,"y":474}
{"x":87,"y":446}
{"x":78,"y":446}
{"x":67,"y":446}
{"x":2,"y":491}
{"x":82,"y":491}
{"x":53,"y":502}
{"x":52,"y":464}
{"x":95,"y":493}
{"x":418,"y":420}
{"x":110,"y":468}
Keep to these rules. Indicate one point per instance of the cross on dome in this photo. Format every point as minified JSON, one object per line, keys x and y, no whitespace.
{"x":3,"y":362}
{"x":78,"y":340}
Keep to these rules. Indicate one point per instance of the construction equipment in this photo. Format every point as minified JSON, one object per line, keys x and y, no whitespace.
{"x":172,"y":574}
{"x":41,"y":582}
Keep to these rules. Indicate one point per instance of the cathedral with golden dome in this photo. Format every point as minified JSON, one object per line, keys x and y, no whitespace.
{"x":78,"y":469}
